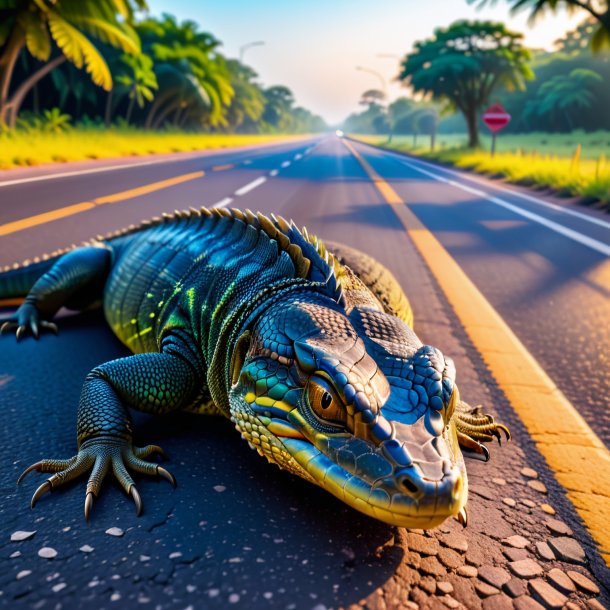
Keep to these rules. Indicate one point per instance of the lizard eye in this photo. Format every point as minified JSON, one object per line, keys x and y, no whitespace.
{"x":324,"y":402}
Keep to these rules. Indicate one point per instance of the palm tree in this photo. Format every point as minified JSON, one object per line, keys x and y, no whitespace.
{"x":140,"y":83}
{"x":564,"y":94}
{"x":36,"y":24}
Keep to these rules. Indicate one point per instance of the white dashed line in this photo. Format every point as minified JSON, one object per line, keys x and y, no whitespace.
{"x":251,"y":186}
{"x":274,"y":172}
{"x":223,"y":202}
{"x":247,"y":161}
{"x":285,"y":164}
{"x":298,"y":156}
{"x":594,"y":244}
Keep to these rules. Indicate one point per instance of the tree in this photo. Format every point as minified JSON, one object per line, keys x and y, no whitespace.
{"x":278,"y":105}
{"x":139,"y":82}
{"x":599,"y":10}
{"x":464,"y":64}
{"x":42,"y":26}
{"x":372,"y":97}
{"x":248,"y":104}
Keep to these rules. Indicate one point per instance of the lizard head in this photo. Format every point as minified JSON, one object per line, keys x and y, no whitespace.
{"x":354,"y":403}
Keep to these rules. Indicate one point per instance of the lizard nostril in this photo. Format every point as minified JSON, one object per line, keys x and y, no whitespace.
{"x":406,"y":482}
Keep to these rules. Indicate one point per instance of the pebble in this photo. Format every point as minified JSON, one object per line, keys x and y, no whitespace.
{"x":175,"y":555}
{"x":557,"y":527}
{"x":144,"y":557}
{"x":549,"y":596}
{"x":560,"y":580}
{"x":537,"y":486}
{"x":516,"y":541}
{"x":21,"y":535}
{"x":548,"y":509}
{"x":509,"y":502}
{"x":46,"y":552}
{"x":450,"y":559}
{"x":421,"y":544}
{"x":529,"y":503}
{"x":515,"y":554}
{"x":115,"y":597}
{"x":498,"y":602}
{"x":494,"y":576}
{"x":115,"y":531}
{"x":450,"y":602}
{"x":593,"y":604}
{"x":86,"y":548}
{"x":515,"y":587}
{"x":457,"y":542}
{"x":526,"y":603}
{"x":545,"y":551}
{"x":468,"y":571}
{"x":432,"y":566}
{"x":58,"y":587}
{"x":567,"y":549}
{"x":219,"y":488}
{"x":444,"y":587}
{"x":23,"y":574}
{"x":499,"y":481}
{"x":485,"y":590}
{"x":15,"y":554}
{"x":583,"y":583}
{"x":530,"y":473}
{"x":526,"y":568}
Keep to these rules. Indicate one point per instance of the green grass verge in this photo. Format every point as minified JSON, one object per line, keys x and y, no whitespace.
{"x":21,"y":148}
{"x":580,"y":172}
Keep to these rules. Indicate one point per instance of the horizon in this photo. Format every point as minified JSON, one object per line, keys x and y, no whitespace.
{"x":346,"y":32}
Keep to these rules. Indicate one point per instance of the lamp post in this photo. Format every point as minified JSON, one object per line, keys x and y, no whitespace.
{"x":384,"y":88}
{"x":249,"y":45}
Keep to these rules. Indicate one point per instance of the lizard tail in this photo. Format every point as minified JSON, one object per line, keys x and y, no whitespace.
{"x":17,"y":280}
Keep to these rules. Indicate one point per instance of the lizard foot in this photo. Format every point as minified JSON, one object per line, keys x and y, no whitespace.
{"x":474,"y":427}
{"x":26,"y":319}
{"x":100,"y":455}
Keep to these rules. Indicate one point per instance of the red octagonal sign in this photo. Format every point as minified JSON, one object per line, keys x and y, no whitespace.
{"x":496,"y":118}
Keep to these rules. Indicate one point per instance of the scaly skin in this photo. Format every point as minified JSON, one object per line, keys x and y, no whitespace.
{"x":311,"y":355}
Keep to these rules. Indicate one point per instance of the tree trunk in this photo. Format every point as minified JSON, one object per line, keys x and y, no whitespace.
{"x":433,"y":139}
{"x":130,"y":108}
{"x":14,"y":104}
{"x":7,"y":65}
{"x":473,"y":128}
{"x":163,"y":115}
{"x":159,"y":101}
{"x":108,"y":110}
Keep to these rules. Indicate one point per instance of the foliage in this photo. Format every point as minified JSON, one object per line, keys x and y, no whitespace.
{"x":598,"y":10}
{"x":463,"y":64}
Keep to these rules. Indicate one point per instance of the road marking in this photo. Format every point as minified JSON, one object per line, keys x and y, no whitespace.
{"x":298,"y":156}
{"x":594,"y":244}
{"x":579,"y":460}
{"x":77,"y":208}
{"x":250,"y":186}
{"x":274,"y":172}
{"x":223,"y":202}
{"x":247,"y":162}
{"x":285,"y":164}
{"x":222,"y":168}
{"x":552,"y":206}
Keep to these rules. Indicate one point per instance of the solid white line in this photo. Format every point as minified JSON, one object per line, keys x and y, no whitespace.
{"x":552,"y":206}
{"x":594,"y":244}
{"x":285,"y":164}
{"x":83,"y":172}
{"x":274,"y":172}
{"x":250,"y":186}
{"x":223,"y":202}
{"x":298,"y":156}
{"x":247,"y":162}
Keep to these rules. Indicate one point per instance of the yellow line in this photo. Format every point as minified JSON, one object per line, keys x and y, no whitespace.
{"x":578,"y":458}
{"x":77,"y":208}
{"x":221,"y":168}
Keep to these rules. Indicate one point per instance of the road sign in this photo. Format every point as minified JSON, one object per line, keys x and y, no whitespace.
{"x":496,"y":118}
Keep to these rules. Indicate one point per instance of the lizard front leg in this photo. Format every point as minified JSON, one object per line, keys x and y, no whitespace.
{"x":75,"y":280}
{"x":154,"y":383}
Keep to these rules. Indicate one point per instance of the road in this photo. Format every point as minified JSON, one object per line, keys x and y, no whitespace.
{"x":235,"y":532}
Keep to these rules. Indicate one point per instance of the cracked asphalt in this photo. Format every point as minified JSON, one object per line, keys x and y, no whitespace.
{"x":237,"y":532}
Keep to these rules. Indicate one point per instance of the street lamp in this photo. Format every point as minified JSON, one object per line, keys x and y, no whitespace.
{"x":384,"y":88}
{"x":249,"y":45}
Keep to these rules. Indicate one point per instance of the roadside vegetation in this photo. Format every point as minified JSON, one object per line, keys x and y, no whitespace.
{"x":97,"y":78}
{"x":559,"y":133}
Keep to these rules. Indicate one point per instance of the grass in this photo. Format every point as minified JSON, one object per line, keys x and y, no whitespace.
{"x":26,"y":148}
{"x":571,"y":164}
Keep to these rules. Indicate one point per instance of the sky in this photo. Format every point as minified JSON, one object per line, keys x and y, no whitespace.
{"x":314,"y":46}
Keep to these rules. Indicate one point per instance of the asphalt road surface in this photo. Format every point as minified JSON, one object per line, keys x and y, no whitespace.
{"x":238,"y":532}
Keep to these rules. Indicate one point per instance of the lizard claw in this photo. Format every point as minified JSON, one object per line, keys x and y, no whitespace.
{"x":26,"y":319}
{"x":100,"y":455}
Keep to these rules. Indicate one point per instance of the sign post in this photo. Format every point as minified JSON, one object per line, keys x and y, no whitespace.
{"x":496,"y":118}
